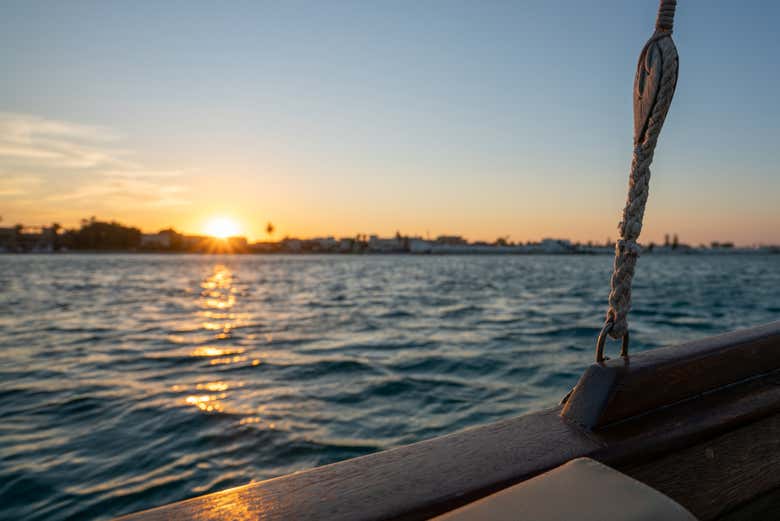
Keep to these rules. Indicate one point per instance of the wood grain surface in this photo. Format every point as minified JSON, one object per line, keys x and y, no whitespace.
{"x":712,"y":477}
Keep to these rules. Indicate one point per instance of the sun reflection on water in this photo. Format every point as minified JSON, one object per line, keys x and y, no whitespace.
{"x":209,"y":351}
{"x":227,"y":360}
{"x":221,"y":303}
{"x":218,"y":294}
{"x":206,"y":402}
{"x":213,"y":386}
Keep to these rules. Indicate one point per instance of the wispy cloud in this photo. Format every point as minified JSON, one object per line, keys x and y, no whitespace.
{"x":79,"y":165}
{"x":58,"y":143}
{"x":127,"y":189}
{"x":27,"y":128}
{"x":14,"y":186}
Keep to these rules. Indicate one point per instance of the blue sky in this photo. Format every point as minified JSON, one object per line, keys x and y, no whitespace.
{"x":482,"y":118}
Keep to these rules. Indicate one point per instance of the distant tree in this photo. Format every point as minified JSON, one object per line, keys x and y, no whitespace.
{"x":97,"y":235}
{"x":650,"y":247}
{"x":675,"y":242}
{"x":175,"y":239}
{"x":55,"y":238}
{"x":666,"y":240}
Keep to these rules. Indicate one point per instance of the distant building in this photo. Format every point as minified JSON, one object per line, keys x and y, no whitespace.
{"x":346,"y":245}
{"x":451,"y":240}
{"x":39,"y":239}
{"x":291,"y":245}
{"x":377,"y":245}
{"x":168,"y":239}
{"x":555,"y":246}
{"x":264,"y":247}
{"x":420,"y":246}
{"x":195,"y":242}
{"x":156,"y":241}
{"x":324,"y":244}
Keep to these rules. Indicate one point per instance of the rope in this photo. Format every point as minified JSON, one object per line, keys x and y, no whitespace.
{"x":654,"y":85}
{"x":665,"y":20}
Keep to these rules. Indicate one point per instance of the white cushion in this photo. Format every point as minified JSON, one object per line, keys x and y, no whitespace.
{"x":582,"y":490}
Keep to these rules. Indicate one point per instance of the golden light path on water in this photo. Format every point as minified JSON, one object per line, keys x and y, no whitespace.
{"x":217,"y":297}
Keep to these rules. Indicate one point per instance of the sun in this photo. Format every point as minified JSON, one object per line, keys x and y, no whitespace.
{"x":222,"y":227}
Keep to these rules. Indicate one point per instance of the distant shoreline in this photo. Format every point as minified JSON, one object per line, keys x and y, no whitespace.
{"x":96,"y":236}
{"x":692,"y":251}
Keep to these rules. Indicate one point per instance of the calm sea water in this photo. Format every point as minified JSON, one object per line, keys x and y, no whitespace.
{"x":129,"y":381}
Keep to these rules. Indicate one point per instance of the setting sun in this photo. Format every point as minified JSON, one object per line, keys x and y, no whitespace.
{"x":222,"y":227}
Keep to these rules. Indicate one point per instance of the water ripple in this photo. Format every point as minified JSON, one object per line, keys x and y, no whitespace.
{"x":131,"y":381}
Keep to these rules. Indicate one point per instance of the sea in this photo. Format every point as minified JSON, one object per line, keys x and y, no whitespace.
{"x":130,"y":381}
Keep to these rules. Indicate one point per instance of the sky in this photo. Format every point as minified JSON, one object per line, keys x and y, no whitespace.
{"x":484,"y":119}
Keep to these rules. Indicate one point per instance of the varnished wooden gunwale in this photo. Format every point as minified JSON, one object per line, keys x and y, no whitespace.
{"x":437,"y":475}
{"x":621,"y":388}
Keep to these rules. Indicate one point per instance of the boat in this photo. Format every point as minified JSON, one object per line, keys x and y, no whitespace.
{"x":688,"y":431}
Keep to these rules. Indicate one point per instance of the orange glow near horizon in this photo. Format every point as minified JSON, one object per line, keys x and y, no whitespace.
{"x":222,"y":227}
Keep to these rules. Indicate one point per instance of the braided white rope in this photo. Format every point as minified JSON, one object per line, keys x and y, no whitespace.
{"x":656,"y":79}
